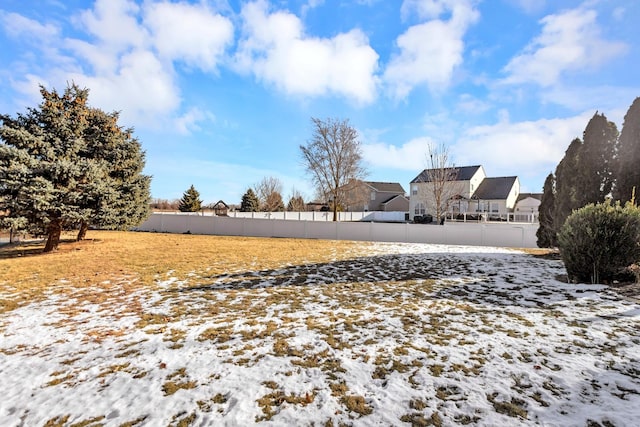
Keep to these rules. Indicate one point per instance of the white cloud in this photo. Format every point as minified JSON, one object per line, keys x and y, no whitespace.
{"x":192,"y":33}
{"x":605,"y":98}
{"x":141,"y":88}
{"x":522,"y":148}
{"x":430,"y":51}
{"x":529,"y":6}
{"x":469,"y":104}
{"x":311,"y":4}
{"x":424,"y":9}
{"x":19,"y":26}
{"x":275,"y":49}
{"x":114,"y":23}
{"x":569,"y":41}
{"x":409,"y":156}
{"x":127,"y":53}
{"x":188,"y":122}
{"x":619,"y":13}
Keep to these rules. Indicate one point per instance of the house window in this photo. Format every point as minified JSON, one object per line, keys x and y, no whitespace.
{"x":414,"y":191}
{"x":419,"y":210}
{"x":373,"y":195}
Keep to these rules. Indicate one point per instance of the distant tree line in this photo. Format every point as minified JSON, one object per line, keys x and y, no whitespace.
{"x":603,"y":165}
{"x":165,"y":204}
{"x":266,"y":196}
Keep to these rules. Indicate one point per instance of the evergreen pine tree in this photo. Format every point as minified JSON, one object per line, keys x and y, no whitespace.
{"x":45,"y":145}
{"x":546,"y":231}
{"x":249,"y":202}
{"x":567,"y":196}
{"x":121,"y":200}
{"x":596,"y":160}
{"x":54,"y":179}
{"x":628,"y":170}
{"x":190,"y":201}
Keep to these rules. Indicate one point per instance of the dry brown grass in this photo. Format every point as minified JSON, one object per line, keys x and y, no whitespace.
{"x":132,"y":259}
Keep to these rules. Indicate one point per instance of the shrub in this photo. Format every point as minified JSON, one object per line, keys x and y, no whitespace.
{"x":598,"y":241}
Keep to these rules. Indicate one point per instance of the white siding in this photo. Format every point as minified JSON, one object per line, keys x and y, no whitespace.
{"x":513,"y":194}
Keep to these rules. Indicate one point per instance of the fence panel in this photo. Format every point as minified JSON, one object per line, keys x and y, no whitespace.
{"x":475,"y":234}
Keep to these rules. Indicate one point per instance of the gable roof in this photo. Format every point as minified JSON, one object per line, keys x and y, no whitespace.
{"x":220,"y":204}
{"x":390,"y":199}
{"x":392,"y":187}
{"x":522,"y":196}
{"x":464,"y":173}
{"x":495,"y":188}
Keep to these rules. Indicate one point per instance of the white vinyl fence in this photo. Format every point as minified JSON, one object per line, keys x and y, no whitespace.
{"x":309,"y":216}
{"x":476,"y":234}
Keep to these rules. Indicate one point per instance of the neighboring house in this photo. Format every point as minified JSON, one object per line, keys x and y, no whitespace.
{"x":496,"y":196}
{"x":527,"y":206}
{"x":464,"y":181}
{"x":364,"y":196}
{"x":316,"y":206}
{"x":467,"y":191}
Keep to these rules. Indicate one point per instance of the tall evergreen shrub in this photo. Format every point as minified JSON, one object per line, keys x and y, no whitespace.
{"x":190,"y":201}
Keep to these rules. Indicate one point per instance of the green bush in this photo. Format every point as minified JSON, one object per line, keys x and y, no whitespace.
{"x":597,"y":242}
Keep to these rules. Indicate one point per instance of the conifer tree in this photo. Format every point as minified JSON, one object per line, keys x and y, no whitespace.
{"x":190,"y":201}
{"x":53,"y":178}
{"x":628,"y":164}
{"x":546,"y":233}
{"x":567,"y":195}
{"x":597,"y":160}
{"x":121,"y":200}
{"x":249,"y":202}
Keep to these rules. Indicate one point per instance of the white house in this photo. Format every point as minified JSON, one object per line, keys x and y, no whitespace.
{"x":464,"y":181}
{"x":527,"y":206}
{"x":468,"y":191}
{"x":496,"y":196}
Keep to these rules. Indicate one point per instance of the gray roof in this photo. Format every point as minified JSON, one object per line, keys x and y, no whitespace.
{"x":495,"y":188}
{"x":463,"y":173}
{"x":522,"y":196}
{"x":391,"y":187}
{"x":392,"y":198}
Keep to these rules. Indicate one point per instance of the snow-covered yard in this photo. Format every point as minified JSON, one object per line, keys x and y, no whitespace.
{"x":416,"y":334}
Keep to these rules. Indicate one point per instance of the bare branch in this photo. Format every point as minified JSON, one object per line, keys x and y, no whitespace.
{"x":442,"y":180}
{"x":333,"y":158}
{"x":269,"y":193}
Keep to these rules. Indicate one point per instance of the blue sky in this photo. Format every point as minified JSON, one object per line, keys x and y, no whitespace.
{"x":221,"y":93}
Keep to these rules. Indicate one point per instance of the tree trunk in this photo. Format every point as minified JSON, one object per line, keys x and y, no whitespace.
{"x":82,"y":233}
{"x":54,"y":230}
{"x":335,"y":212}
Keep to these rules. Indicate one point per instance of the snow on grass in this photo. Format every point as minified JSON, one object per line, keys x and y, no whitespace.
{"x":409,"y":333}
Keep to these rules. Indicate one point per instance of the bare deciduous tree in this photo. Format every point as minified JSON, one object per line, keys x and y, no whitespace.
{"x":441,"y":180}
{"x":333,"y":158}
{"x":269,"y":192}
{"x":165,"y":204}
